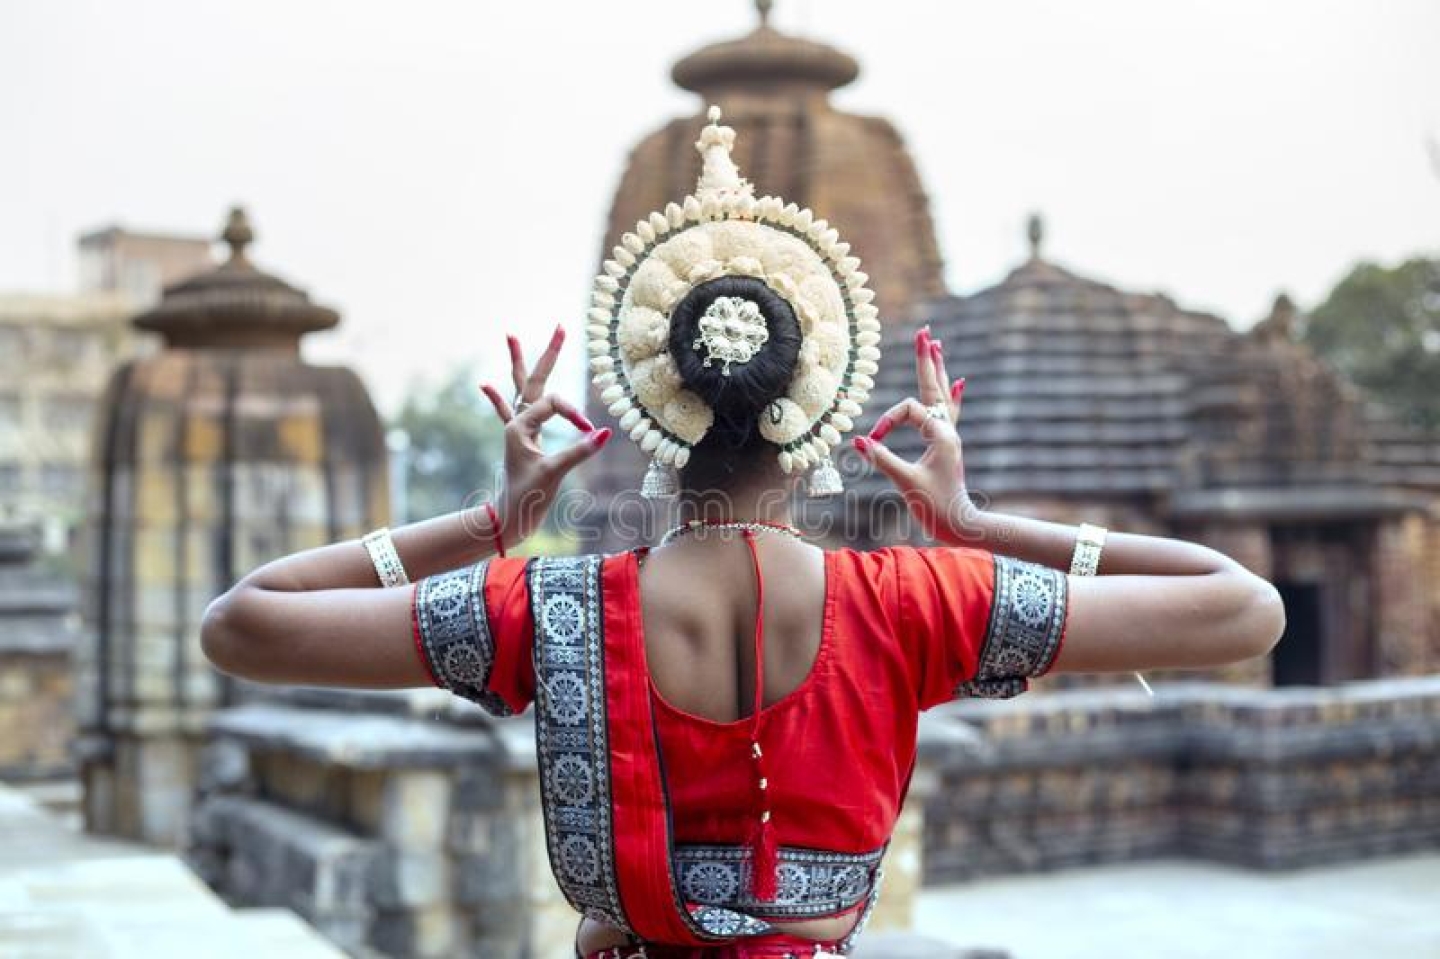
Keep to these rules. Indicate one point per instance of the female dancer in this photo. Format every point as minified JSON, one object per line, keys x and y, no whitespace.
{"x":726,"y":723}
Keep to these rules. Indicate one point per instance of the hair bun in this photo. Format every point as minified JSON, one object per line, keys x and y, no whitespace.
{"x":740,"y":390}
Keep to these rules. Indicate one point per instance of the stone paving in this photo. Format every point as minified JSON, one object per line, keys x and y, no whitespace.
{"x":1187,"y":910}
{"x":65,"y":895}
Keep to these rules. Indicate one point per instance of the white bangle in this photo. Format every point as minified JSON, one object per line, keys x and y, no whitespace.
{"x":1089,"y":541}
{"x":383,"y":556}
{"x":1088,"y":544}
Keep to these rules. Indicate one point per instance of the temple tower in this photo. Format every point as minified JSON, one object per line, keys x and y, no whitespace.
{"x":854,"y":171}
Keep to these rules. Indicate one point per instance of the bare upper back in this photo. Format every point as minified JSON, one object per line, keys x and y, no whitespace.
{"x":698,"y":601}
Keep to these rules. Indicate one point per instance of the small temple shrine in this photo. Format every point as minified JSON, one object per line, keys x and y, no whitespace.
{"x":218,"y":451}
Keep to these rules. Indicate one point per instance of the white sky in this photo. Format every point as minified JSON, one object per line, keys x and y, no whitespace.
{"x":440,"y":171}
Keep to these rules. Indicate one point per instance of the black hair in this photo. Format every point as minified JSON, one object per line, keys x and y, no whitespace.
{"x":732,"y":444}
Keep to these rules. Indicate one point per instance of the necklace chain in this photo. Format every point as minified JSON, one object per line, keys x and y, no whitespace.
{"x":754,"y":526}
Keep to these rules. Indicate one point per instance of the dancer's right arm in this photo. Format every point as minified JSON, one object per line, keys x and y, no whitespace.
{"x":320,"y":617}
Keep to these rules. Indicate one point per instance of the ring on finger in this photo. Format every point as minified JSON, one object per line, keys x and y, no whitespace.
{"x":938,"y":411}
{"x":519,"y":404}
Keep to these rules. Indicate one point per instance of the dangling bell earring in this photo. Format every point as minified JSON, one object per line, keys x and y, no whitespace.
{"x":825,"y":480}
{"x":661,"y":481}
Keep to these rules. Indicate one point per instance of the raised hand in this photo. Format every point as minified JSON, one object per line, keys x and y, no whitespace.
{"x":934,"y":485}
{"x":531,"y":476}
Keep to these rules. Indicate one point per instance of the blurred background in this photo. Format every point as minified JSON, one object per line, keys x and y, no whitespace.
{"x":254,"y":260}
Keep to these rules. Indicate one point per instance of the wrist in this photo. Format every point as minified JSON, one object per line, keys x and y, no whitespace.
{"x":964,"y":523}
{"x":497,"y":537}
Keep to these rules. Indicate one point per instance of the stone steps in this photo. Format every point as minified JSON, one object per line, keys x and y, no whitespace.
{"x":64,"y":894}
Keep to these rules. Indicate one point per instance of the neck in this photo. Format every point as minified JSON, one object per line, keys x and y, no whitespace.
{"x":761,"y":502}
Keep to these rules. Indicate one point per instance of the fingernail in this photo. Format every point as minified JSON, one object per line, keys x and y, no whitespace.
{"x":586,"y":425}
{"x":600,"y":437}
{"x":960,"y":386}
{"x":558,"y":335}
{"x":862,"y":445}
{"x":935,"y":349}
{"x":882,"y":427}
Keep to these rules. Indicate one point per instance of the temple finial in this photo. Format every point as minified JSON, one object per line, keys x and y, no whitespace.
{"x":238,"y":233}
{"x":763,"y":8}
{"x":1035,"y":230}
{"x":1282,"y":320}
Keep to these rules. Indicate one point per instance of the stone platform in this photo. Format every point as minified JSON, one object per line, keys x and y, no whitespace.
{"x":1193,"y":910}
{"x":65,"y":895}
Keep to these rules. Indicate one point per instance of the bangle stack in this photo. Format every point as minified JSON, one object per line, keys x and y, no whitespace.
{"x":386,"y":561}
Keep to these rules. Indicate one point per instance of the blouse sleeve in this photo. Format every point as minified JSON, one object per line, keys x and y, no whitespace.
{"x":980,"y":624}
{"x":473,"y":632}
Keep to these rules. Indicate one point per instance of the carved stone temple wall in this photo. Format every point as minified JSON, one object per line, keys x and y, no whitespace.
{"x":1270,"y":779}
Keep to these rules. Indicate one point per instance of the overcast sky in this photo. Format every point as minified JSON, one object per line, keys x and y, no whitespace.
{"x":439,"y":171}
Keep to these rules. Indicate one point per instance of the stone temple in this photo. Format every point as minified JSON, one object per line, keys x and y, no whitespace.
{"x":791,"y":142}
{"x":218,"y":452}
{"x":1087,"y":402}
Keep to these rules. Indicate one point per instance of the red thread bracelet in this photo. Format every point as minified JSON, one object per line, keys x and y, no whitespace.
{"x":495,"y":528}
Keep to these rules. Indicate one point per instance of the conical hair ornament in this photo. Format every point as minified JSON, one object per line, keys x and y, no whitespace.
{"x":722,"y":229}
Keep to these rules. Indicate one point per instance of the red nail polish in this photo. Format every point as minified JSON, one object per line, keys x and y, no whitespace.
{"x":882,"y":427}
{"x":600,"y":437}
{"x":862,"y":445}
{"x":935,"y":349}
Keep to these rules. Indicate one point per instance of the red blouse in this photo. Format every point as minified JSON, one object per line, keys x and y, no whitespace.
{"x":904,"y":629}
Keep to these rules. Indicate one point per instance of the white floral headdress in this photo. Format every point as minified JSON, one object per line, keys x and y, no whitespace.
{"x":723,"y":230}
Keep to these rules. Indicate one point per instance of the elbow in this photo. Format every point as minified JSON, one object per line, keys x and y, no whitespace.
{"x":216,"y":641}
{"x":222,"y":639}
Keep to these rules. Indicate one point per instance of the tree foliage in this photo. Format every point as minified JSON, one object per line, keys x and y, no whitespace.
{"x":455,"y":445}
{"x":1381,"y":328}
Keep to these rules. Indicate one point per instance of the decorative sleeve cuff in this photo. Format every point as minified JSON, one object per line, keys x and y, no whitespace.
{"x":453,"y":634}
{"x":1025,"y":631}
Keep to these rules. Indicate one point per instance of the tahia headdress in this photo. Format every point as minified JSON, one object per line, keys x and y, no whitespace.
{"x":723,"y":230}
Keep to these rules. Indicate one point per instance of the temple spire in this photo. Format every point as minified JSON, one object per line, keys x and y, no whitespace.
{"x":1035,"y":230}
{"x":238,"y":233}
